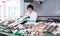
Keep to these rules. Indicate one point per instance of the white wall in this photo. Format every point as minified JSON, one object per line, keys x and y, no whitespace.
{"x":22,"y":8}
{"x":10,"y":10}
{"x":45,"y":9}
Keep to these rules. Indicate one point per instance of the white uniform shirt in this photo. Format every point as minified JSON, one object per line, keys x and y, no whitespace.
{"x":33,"y":16}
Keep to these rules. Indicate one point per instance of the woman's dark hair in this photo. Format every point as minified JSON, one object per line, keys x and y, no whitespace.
{"x":30,"y":6}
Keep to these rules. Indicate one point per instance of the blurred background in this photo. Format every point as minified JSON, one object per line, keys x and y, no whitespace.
{"x":12,"y":9}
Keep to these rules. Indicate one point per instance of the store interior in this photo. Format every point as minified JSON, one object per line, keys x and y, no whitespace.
{"x":15,"y":22}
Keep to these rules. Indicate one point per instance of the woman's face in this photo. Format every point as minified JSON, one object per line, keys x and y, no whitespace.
{"x":30,"y":10}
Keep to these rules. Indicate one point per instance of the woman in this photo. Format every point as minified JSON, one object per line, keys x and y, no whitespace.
{"x":31,"y":15}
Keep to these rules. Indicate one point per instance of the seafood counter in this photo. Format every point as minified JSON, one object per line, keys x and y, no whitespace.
{"x":15,"y":28}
